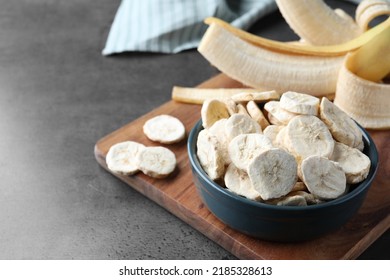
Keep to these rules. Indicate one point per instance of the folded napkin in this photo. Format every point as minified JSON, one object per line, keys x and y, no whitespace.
{"x":171,"y":26}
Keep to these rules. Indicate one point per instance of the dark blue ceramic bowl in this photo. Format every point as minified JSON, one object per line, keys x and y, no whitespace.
{"x":279,"y":223}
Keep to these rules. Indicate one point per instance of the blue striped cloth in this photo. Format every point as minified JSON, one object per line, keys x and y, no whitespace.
{"x":171,"y":26}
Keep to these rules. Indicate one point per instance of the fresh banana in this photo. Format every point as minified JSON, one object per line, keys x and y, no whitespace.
{"x":367,"y":10}
{"x":259,"y":67}
{"x":366,"y":102}
{"x":316,"y":23}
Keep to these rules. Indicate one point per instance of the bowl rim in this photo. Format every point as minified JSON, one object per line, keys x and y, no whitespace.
{"x":362,"y":186}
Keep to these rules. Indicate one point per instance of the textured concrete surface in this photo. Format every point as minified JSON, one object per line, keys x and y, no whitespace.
{"x":58,"y":96}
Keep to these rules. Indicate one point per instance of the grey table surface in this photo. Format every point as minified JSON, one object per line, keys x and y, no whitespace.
{"x":58,"y":96}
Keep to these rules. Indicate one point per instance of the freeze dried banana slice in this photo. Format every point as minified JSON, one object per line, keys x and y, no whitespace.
{"x":218,"y":130}
{"x":282,"y":116}
{"x":256,"y":114}
{"x":299,"y":103}
{"x":122,"y":157}
{"x":272,"y":131}
{"x":273,"y":173}
{"x":308,"y":135}
{"x":165,"y":129}
{"x":342,"y":127}
{"x":241,"y":124}
{"x":256,"y":96}
{"x":324,"y":178}
{"x":210,"y":154}
{"x":156,"y":162}
{"x":355,"y":164}
{"x":244,"y":147}
{"x":213,"y":110}
{"x":241,"y":109}
{"x":237,"y":181}
{"x":231,"y":106}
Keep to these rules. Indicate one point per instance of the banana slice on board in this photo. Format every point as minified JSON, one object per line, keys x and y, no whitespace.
{"x":300,"y":103}
{"x":273,"y":173}
{"x":122,"y":157}
{"x":165,"y":129}
{"x":156,"y":162}
{"x":210,"y":154}
{"x":240,"y":124}
{"x":355,"y":164}
{"x":244,"y":147}
{"x":342,"y":127}
{"x":212,"y":111}
{"x":324,"y":178}
{"x":237,"y":181}
{"x":308,"y":135}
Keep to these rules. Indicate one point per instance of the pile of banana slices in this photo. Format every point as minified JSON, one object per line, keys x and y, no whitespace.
{"x":338,"y":56}
{"x":297,"y":151}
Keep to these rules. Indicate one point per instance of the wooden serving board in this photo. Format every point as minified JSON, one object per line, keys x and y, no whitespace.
{"x":178,"y":195}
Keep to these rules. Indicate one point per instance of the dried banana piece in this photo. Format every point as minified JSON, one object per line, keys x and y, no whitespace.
{"x":256,"y":96}
{"x":354,"y":163}
{"x":241,"y":124}
{"x":244,"y":147}
{"x":324,"y":178}
{"x":307,"y":136}
{"x":282,"y":116}
{"x":300,"y":103}
{"x":273,"y":173}
{"x":342,"y":127}
{"x":256,"y":114}
{"x":122,"y":157}
{"x":241,"y":109}
{"x":164,"y":129}
{"x":213,"y":110}
{"x":237,"y":181}
{"x":272,"y":131}
{"x":218,"y":130}
{"x":210,"y":154}
{"x":156,"y":162}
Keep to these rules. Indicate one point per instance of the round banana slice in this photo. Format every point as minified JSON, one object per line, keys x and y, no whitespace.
{"x":342,"y":127}
{"x":355,"y":164}
{"x":282,"y":116}
{"x":240,"y":124}
{"x":213,"y":110}
{"x":244,"y":147}
{"x":324,"y":178}
{"x":156,"y":162}
{"x":306,"y":136}
{"x":272,"y":132}
{"x":299,"y":103}
{"x":273,"y":173}
{"x":237,"y":181}
{"x":210,"y":154}
{"x":256,"y":114}
{"x":164,"y":129}
{"x":122,"y":157}
{"x":256,"y":96}
{"x":218,"y":130}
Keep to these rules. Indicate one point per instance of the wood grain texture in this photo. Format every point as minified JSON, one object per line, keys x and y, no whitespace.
{"x":178,"y":195}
